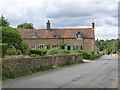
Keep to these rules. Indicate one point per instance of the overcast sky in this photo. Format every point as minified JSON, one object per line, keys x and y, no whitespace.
{"x":65,"y":14}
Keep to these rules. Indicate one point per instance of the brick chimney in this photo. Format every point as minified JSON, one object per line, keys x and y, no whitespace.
{"x":93,"y":25}
{"x":48,"y":25}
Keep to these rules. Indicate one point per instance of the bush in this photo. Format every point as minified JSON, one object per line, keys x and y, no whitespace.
{"x":96,"y":56}
{"x":61,"y":45}
{"x":41,"y":52}
{"x":25,"y":47}
{"x":35,"y":55}
{"x":54,"y":51}
{"x":86,"y":55}
{"x":3,"y":47}
{"x":65,"y":51}
{"x":12,"y":51}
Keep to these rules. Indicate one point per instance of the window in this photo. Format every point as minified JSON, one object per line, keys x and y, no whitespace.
{"x":40,"y":46}
{"x":32,"y":46}
{"x":78,"y":47}
{"x":81,"y":47}
{"x":79,"y":36}
{"x":55,"y":46}
{"x":34,"y":36}
{"x":54,"y":36}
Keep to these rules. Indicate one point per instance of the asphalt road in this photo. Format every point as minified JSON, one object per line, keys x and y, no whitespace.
{"x":101,"y":73}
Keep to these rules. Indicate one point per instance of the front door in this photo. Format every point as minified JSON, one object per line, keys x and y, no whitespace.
{"x":68,"y":48}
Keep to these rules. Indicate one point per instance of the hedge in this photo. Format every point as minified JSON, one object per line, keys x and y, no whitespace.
{"x":40,"y":52}
{"x":3,"y":47}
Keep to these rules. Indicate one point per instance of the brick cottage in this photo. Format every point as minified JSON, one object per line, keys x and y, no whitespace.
{"x":74,"y":38}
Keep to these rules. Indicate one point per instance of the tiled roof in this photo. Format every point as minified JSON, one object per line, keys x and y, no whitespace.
{"x":61,"y":33}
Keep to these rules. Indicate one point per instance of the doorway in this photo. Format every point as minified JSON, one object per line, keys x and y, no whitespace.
{"x":68,"y":47}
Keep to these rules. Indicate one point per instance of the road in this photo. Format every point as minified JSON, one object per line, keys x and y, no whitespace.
{"x":101,"y":73}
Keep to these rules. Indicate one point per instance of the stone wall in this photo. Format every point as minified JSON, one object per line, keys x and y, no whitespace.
{"x":86,"y":43}
{"x":19,"y":65}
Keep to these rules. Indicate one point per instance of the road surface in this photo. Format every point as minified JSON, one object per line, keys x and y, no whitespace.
{"x":101,"y":73}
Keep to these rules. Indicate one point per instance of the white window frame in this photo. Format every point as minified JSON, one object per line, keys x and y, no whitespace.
{"x":34,"y":36}
{"x":41,"y":45}
{"x":79,"y":47}
{"x":32,"y":46}
{"x":54,"y":46}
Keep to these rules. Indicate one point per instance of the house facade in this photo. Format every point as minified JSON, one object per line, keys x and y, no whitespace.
{"x":74,"y":38}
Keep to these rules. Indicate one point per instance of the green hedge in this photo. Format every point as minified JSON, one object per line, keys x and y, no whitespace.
{"x":65,"y":51}
{"x":35,"y":55}
{"x":39,"y":52}
{"x":3,"y":47}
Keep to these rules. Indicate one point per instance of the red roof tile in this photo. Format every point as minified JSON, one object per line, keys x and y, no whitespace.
{"x":61,"y":33}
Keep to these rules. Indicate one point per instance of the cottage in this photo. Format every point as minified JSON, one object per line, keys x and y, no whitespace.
{"x":74,"y":38}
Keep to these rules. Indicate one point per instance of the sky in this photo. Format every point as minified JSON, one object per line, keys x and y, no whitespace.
{"x":65,"y":14}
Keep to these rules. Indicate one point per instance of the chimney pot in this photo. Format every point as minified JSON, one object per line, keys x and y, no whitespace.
{"x":48,"y":25}
{"x":93,"y":25}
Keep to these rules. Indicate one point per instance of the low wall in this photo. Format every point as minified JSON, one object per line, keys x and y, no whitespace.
{"x":19,"y":65}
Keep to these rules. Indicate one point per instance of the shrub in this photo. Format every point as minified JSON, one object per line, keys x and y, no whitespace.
{"x":12,"y":51}
{"x":61,"y":45}
{"x":65,"y":51}
{"x":48,"y":46}
{"x":35,"y":55}
{"x":86,"y":55}
{"x":25,"y":47}
{"x":41,"y":52}
{"x":54,"y":51}
{"x":3,"y":47}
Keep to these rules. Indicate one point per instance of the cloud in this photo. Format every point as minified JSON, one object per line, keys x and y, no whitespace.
{"x":62,"y":14}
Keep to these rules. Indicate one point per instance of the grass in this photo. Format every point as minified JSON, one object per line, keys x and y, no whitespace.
{"x":30,"y":72}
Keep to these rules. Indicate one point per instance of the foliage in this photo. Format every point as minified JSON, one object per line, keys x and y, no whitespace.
{"x":25,"y":26}
{"x":26,"y":72}
{"x":40,"y":52}
{"x":48,"y":46}
{"x":12,"y":37}
{"x":109,"y":46}
{"x":61,"y":45}
{"x":3,"y":47}
{"x":25,"y":47}
{"x":13,"y":51}
{"x":54,"y":51}
{"x":65,"y":51}
{"x":4,"y":22}
{"x":35,"y":55}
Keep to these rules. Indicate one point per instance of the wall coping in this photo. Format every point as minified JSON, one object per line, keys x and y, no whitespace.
{"x":43,"y":57}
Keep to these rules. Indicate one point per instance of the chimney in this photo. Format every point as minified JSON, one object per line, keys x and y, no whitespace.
{"x":48,"y":25}
{"x":93,"y":25}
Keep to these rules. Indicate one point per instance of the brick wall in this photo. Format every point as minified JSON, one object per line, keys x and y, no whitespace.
{"x":19,"y":65}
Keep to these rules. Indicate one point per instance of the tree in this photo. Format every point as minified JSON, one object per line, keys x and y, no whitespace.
{"x":4,"y":22}
{"x":12,"y":37}
{"x":25,"y":26}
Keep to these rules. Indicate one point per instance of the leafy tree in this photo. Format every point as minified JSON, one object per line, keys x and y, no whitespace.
{"x":4,"y":22}
{"x":109,"y":46}
{"x":12,"y":37}
{"x":25,"y":26}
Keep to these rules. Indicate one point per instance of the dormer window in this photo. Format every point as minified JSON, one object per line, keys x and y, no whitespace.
{"x":79,"y":36}
{"x":34,"y":36}
{"x":54,"y":36}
